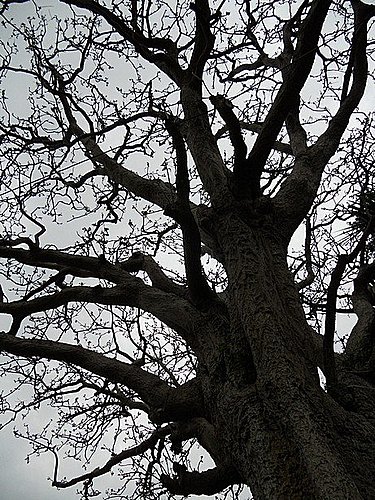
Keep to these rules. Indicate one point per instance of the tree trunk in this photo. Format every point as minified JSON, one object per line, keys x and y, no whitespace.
{"x":285,"y":436}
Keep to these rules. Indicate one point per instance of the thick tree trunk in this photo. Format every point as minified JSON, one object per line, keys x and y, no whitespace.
{"x":285,"y":436}
{"x":296,"y":452}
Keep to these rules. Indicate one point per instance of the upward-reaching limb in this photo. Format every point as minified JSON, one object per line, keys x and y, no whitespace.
{"x":298,"y":191}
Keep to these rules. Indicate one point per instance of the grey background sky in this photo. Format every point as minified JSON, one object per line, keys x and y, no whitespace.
{"x":21,"y":481}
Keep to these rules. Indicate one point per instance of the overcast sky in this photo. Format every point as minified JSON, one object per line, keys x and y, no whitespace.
{"x":20,"y":481}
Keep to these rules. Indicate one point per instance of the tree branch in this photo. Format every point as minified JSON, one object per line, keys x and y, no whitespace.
{"x":141,"y":262}
{"x":204,"y":43}
{"x":200,"y":429}
{"x":310,"y":273}
{"x":298,"y":191}
{"x":166,"y":57}
{"x":297,"y":134}
{"x":167,"y":403}
{"x":115,"y":295}
{"x":139,"y":449}
{"x":155,"y":191}
{"x":360,"y":345}
{"x":256,"y":127}
{"x":203,"y":147}
{"x":173,"y":310}
{"x":198,"y":287}
{"x":247,"y":180}
{"x":225,"y":109}
{"x":328,"y":142}
{"x":330,"y":320}
{"x":81,"y":266}
{"x":201,"y":483}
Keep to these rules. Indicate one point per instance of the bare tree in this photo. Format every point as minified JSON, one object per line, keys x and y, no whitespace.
{"x":187,"y":205}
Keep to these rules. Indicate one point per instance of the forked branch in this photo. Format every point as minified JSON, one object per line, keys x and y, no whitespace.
{"x":131,"y":291}
{"x":247,"y":180}
{"x":166,"y":403}
{"x":200,"y":292}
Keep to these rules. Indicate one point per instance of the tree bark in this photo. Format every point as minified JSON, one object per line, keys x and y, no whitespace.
{"x":285,"y":436}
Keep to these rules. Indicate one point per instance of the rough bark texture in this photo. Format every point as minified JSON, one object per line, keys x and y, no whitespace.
{"x":286,"y":437}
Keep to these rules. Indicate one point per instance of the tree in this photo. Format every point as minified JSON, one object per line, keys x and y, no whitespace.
{"x":152,"y":185}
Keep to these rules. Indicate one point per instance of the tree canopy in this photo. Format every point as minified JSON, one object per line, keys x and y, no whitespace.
{"x":187,"y":238}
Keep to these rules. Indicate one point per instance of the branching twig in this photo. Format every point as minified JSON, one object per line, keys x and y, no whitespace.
{"x":115,"y":459}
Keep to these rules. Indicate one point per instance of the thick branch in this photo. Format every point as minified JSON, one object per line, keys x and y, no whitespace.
{"x":225,"y":109}
{"x":78,"y":265}
{"x":203,"y":147}
{"x":173,"y":310}
{"x":204,"y":43}
{"x":310,"y":273}
{"x":115,"y":295}
{"x":328,"y":142}
{"x":360,"y":345}
{"x":199,"y":290}
{"x":256,"y":127}
{"x":155,"y":191}
{"x":297,"y":134}
{"x":200,"y":429}
{"x":201,"y":483}
{"x":141,"y":262}
{"x":247,"y":180}
{"x":298,"y":192}
{"x":167,"y":402}
{"x":330,"y":321}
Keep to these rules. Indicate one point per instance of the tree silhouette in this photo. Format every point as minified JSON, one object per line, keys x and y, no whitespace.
{"x":186,"y":207}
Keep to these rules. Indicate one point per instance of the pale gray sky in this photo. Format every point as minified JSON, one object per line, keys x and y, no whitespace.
{"x":19,"y":480}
